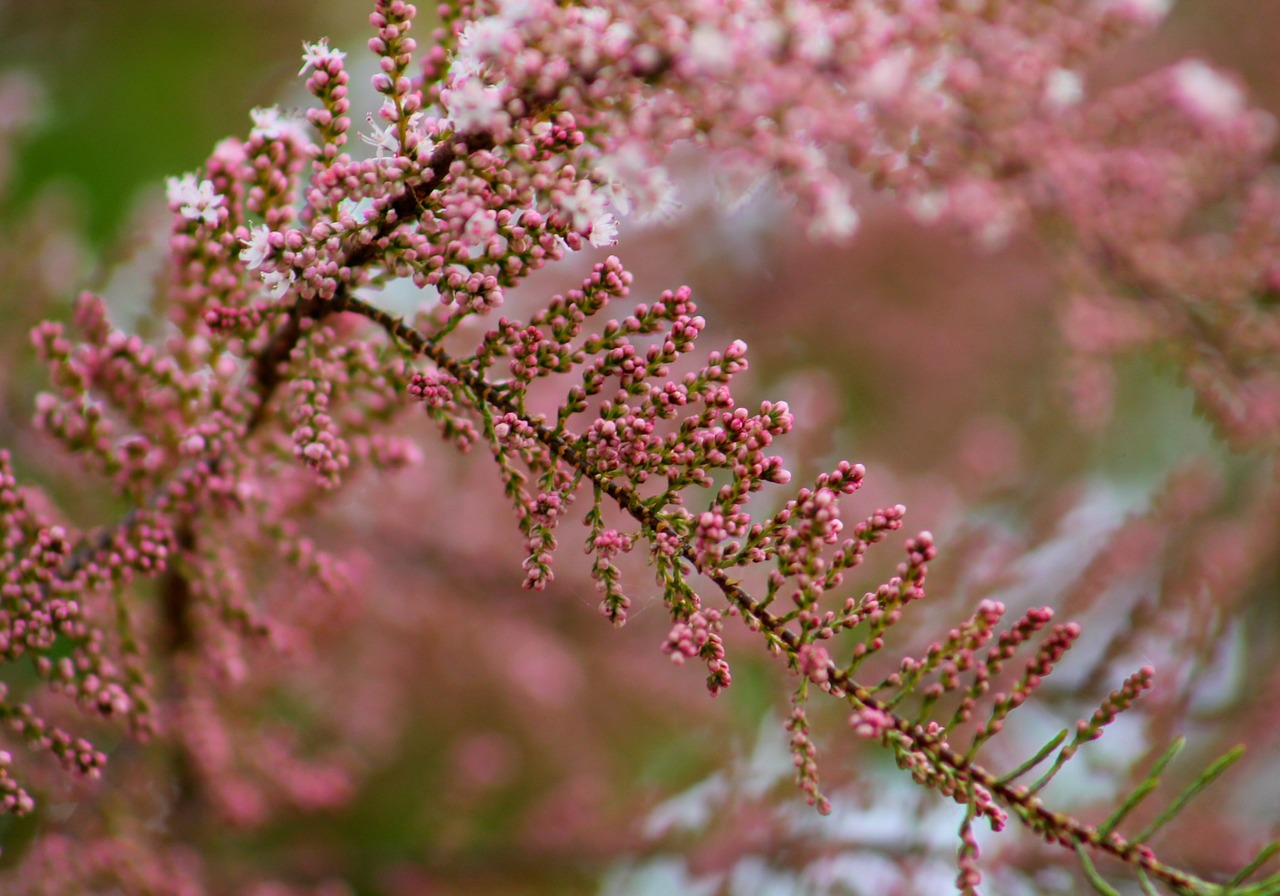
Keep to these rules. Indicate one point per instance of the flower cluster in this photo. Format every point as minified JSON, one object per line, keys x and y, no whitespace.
{"x":530,"y":132}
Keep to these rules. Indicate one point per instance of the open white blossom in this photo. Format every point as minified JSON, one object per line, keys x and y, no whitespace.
{"x":481,"y":41}
{"x":604,"y":231}
{"x":885,"y":78}
{"x":1144,"y":12}
{"x":1205,"y":92}
{"x":1063,"y":88}
{"x":275,"y":125}
{"x":256,"y":248}
{"x":384,"y":140}
{"x":710,"y":49}
{"x":584,"y":205}
{"x":316,"y":54}
{"x":835,"y":217}
{"x":473,"y":106}
{"x":196,"y":200}
{"x":277,"y":282}
{"x":635,"y":183}
{"x":517,"y":11}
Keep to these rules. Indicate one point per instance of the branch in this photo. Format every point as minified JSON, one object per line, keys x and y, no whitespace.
{"x":1053,"y":826}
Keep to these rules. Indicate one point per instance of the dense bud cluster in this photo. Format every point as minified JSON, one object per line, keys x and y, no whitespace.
{"x":529,"y":131}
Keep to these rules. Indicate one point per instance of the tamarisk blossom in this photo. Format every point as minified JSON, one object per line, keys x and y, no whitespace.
{"x":194,"y":199}
{"x":1206,"y":92}
{"x":520,"y":137}
{"x":273,"y":124}
{"x":319,"y":56}
{"x":473,"y":106}
{"x":257,"y":250}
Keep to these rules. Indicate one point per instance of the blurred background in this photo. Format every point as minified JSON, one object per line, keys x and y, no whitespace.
{"x":499,"y":741}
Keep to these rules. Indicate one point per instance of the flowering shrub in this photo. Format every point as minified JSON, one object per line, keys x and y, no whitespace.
{"x":229,"y":654}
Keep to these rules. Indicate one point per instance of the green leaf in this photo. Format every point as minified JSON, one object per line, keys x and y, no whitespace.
{"x":1040,"y":756}
{"x":1265,"y":853}
{"x":1139,"y":793}
{"x":1210,"y":775}
{"x":1091,"y":873}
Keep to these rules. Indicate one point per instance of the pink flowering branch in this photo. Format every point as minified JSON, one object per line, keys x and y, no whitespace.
{"x":531,"y":130}
{"x":935,"y":761}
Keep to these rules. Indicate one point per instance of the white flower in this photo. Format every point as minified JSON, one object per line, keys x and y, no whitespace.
{"x":196,"y":200}
{"x":517,"y":11}
{"x":604,"y":231}
{"x":836,"y":217}
{"x":886,"y":77}
{"x":710,"y":49}
{"x":1063,"y":88}
{"x":615,"y":191}
{"x":620,"y":170}
{"x":596,"y":19}
{"x":812,"y":31}
{"x":584,"y":205}
{"x":277,"y":282}
{"x":317,"y":54}
{"x":617,"y":39}
{"x":483,"y":40}
{"x":1206,"y":93}
{"x":385,"y":141}
{"x":273,"y":124}
{"x":257,"y":249}
{"x":473,"y":106}
{"x":928,"y":207}
{"x":632,"y":181}
{"x":660,"y":202}
{"x":1144,"y":12}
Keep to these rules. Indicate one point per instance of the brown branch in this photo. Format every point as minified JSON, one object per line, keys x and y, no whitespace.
{"x":266,"y":368}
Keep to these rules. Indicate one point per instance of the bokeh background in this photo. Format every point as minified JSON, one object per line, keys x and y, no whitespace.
{"x":510,"y":742}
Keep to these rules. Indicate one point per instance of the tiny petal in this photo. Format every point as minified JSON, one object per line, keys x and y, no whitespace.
{"x":196,"y":200}
{"x":1063,"y":88}
{"x":604,"y":231}
{"x":273,"y":124}
{"x":1205,"y":92}
{"x":318,"y":54}
{"x":473,"y":106}
{"x":256,"y":247}
{"x":384,"y":140}
{"x":277,"y":282}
